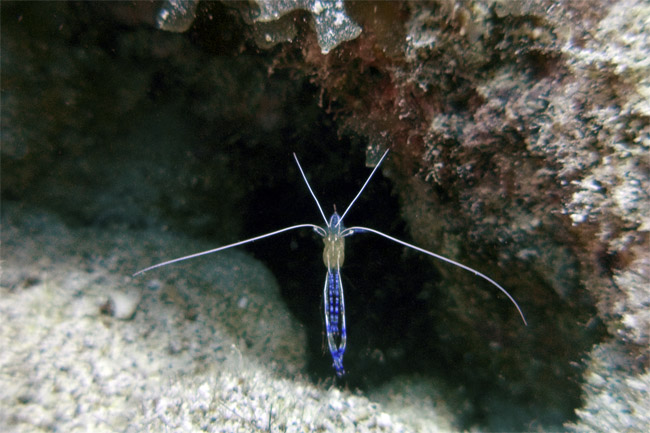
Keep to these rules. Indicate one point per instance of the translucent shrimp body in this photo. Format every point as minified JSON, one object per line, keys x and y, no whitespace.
{"x":333,"y":256}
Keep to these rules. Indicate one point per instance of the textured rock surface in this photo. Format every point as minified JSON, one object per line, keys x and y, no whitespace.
{"x":209,"y":348}
{"x":269,"y":21}
{"x":521,"y":138}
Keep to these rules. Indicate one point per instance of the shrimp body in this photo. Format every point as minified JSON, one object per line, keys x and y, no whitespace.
{"x":333,"y":235}
{"x":333,"y":256}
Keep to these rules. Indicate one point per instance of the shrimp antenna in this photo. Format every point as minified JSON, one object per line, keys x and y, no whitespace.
{"x":353,"y":230}
{"x":225,"y":247}
{"x":309,"y":187}
{"x":364,"y":185}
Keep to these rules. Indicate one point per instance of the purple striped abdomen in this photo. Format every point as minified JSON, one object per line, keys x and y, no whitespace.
{"x":335,"y":318}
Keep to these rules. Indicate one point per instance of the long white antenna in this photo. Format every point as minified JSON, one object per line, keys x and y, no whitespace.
{"x":364,"y":185}
{"x":352,"y":230}
{"x":310,"y":190}
{"x":225,"y":247}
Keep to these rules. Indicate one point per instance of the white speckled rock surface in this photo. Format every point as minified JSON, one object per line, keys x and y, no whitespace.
{"x":209,"y":348}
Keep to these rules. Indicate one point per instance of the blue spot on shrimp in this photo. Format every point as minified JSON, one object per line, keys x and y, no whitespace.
{"x":333,"y":235}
